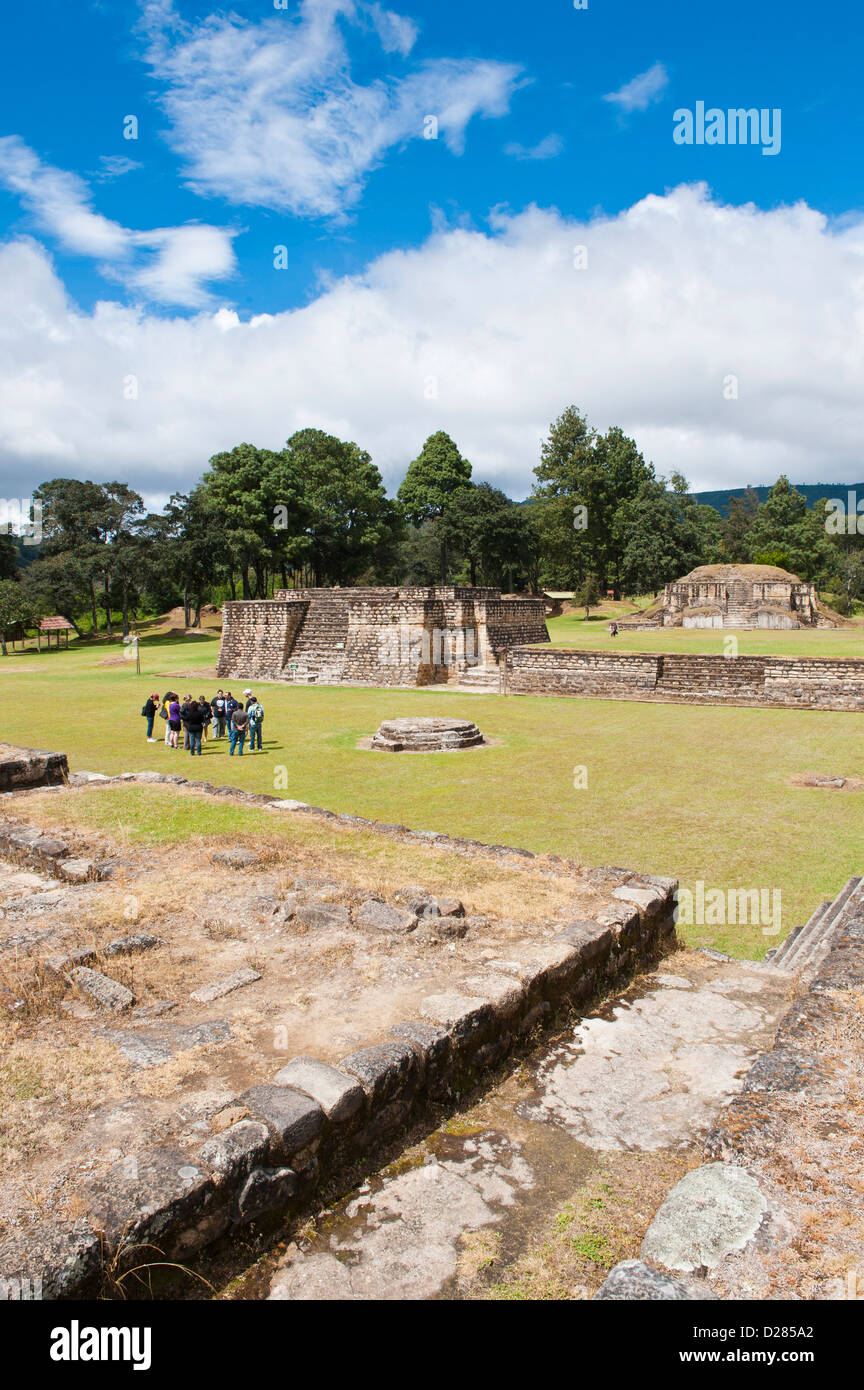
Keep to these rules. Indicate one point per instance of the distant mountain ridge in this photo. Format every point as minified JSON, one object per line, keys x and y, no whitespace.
{"x":719,"y":499}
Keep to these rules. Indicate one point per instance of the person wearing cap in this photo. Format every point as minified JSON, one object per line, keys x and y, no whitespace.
{"x":250,"y":698}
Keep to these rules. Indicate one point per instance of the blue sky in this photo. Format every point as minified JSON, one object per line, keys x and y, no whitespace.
{"x":152,"y":260}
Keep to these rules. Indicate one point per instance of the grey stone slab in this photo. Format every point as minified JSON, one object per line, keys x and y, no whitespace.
{"x":265,"y":1190}
{"x":465,"y":1017}
{"x":237,"y":858}
{"x":505,"y":994}
{"x":712,"y":1212}
{"x":590,"y":939}
{"x":377,"y":916}
{"x":386,"y":1072}
{"x":321,"y":916}
{"x":339,"y":1096}
{"x":148,"y":1047}
{"x":67,"y":1258}
{"x":126,"y":945}
{"x":226,"y":985}
{"x":108,"y":994}
{"x":160,"y":1197}
{"x":237,"y":1150}
{"x":634,"y":1281}
{"x":296,"y":1118}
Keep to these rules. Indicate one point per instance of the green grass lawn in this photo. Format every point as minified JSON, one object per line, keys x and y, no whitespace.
{"x":699,"y":793}
{"x":573,"y":630}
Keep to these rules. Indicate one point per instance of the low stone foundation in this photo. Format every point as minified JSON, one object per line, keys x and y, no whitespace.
{"x":791,"y":682}
{"x":312,"y":1120}
{"x":30,"y":767}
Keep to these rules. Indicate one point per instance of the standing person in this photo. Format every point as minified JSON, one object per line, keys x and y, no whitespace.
{"x":206,"y":714}
{"x":151,"y":705}
{"x":174,"y":722}
{"x":230,"y":705}
{"x":164,"y":713}
{"x":184,"y":710}
{"x":193,"y":723}
{"x":255,"y":711}
{"x":237,"y":727}
{"x":219,"y":716}
{"x":250,"y":698}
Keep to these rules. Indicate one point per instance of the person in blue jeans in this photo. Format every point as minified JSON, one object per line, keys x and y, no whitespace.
{"x":237,"y":726}
{"x":149,"y":712}
{"x":256,"y":718}
{"x":193,"y":721}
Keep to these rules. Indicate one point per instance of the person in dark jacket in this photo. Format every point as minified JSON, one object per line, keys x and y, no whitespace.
{"x":207,"y":714}
{"x":184,"y":710}
{"x":237,"y":727}
{"x":193,"y":723}
{"x":149,"y":711}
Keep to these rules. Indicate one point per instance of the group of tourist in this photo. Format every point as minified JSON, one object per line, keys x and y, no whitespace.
{"x":194,"y":718}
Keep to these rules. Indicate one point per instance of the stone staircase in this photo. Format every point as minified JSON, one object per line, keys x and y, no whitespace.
{"x":680,"y":676}
{"x":806,"y":945}
{"x":318,"y":653}
{"x":481,"y":678}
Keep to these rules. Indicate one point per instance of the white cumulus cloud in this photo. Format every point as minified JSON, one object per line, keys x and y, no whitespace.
{"x":487,"y":334}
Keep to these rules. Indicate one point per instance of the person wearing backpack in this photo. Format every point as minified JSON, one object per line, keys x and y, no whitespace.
{"x":149,"y":713}
{"x":255,"y":711}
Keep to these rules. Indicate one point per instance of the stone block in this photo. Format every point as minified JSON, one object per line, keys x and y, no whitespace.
{"x":590,"y":939}
{"x":226,"y":985}
{"x":340,"y":1096}
{"x":505,"y":994}
{"x":634,"y":1281}
{"x":159,"y":1197}
{"x":126,"y":945}
{"x":468,"y":1019}
{"x":265,"y":1190}
{"x":108,"y":994}
{"x":237,"y":1150}
{"x":321,"y":916}
{"x":296,"y":1118}
{"x":388,"y":1072}
{"x":714,"y":1211}
{"x":377,"y":916}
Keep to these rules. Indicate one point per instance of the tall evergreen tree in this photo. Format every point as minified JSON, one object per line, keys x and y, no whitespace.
{"x":430,"y":487}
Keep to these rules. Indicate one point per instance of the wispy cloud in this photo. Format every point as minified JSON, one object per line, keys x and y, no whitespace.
{"x":171,"y":265}
{"x":547,"y":148}
{"x":114,"y":166}
{"x":268,"y":114}
{"x":641,"y":91}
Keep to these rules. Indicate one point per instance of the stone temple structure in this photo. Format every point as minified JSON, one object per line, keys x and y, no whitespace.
{"x":737,"y":596}
{"x":380,"y":636}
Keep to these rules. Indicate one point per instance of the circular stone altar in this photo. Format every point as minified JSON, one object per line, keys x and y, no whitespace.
{"x":426,"y":735}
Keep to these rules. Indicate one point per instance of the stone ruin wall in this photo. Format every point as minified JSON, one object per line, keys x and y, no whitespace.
{"x":421,"y":636}
{"x":793,"y":682}
{"x":374,"y":636}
